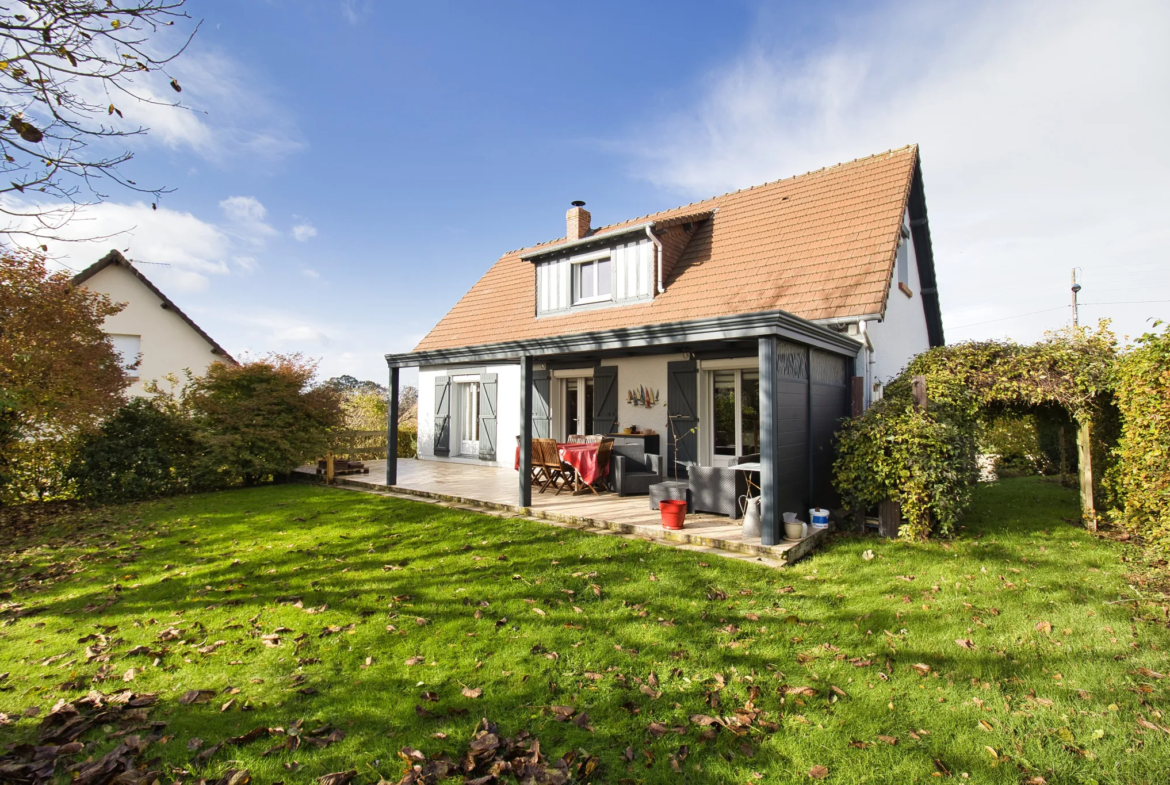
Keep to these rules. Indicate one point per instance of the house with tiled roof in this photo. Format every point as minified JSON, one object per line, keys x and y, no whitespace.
{"x":154,"y":337}
{"x":746,"y":324}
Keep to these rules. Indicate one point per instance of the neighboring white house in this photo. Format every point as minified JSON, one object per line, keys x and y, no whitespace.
{"x":829,"y":276}
{"x":151,"y":330}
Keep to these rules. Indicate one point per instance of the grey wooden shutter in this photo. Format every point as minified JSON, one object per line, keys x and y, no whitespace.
{"x":487,"y":416}
{"x":682,"y":411}
{"x":443,"y":416}
{"x":605,"y":399}
{"x":541,"y":411}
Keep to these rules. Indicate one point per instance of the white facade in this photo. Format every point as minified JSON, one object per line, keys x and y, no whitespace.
{"x":901,"y":334}
{"x":166,"y":343}
{"x":507,"y":411}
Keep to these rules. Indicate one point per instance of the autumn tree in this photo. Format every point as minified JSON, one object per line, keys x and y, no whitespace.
{"x":68,"y":70}
{"x":59,"y":373}
{"x":261,"y":418}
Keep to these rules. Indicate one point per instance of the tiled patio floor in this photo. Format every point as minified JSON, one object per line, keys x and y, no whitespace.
{"x":497,"y":489}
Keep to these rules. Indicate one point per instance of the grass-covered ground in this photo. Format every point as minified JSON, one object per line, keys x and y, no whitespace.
{"x":1003,"y":655}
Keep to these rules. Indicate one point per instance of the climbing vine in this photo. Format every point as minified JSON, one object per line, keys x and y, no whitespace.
{"x":924,"y":458}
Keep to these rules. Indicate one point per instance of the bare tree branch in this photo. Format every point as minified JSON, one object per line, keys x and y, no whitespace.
{"x":62,"y":65}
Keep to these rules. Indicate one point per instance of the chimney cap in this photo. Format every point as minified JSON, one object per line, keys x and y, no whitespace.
{"x":577,"y":203}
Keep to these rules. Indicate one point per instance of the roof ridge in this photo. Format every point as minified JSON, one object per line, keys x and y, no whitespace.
{"x":640,"y":218}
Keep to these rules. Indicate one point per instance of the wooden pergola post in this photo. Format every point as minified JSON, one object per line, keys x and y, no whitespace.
{"x":1085,"y":466}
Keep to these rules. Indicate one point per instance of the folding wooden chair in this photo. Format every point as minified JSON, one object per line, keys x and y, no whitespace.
{"x":550,"y":464}
{"x":577,"y":439}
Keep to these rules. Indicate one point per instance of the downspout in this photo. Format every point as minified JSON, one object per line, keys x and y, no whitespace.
{"x":869,"y":361}
{"x":658,"y":255}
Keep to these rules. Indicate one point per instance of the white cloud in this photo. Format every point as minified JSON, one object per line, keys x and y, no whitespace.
{"x":310,"y":273}
{"x":1040,"y":130}
{"x":246,"y":215}
{"x":304,"y":232}
{"x":179,"y":251}
{"x":182,"y":249}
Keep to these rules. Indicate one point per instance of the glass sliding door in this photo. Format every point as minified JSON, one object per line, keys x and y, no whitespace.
{"x":735,"y":414}
{"x":572,"y":406}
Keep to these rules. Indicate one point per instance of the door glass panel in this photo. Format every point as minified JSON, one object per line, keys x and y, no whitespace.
{"x":588,"y":406}
{"x":570,"y":407}
{"x":724,"y":412}
{"x":750,"y":413}
{"x":469,"y":419}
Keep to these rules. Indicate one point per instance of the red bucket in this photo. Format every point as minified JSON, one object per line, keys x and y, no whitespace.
{"x":674,"y":512}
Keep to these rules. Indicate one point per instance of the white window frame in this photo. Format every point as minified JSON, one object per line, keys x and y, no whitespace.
{"x":577,"y":269}
{"x":131,"y":373}
{"x":707,"y":404}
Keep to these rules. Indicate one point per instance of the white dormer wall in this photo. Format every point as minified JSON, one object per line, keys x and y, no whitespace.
{"x":631,"y":271}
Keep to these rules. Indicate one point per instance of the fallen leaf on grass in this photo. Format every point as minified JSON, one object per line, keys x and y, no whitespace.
{"x":197,"y":696}
{"x":468,"y":692}
{"x":966,"y":643}
{"x":338,"y":778}
{"x":922,"y":668}
{"x":1043,"y":626}
{"x":818,"y":772}
{"x":891,"y":740}
{"x":538,"y":612}
{"x":415,"y":660}
{"x":194,"y":743}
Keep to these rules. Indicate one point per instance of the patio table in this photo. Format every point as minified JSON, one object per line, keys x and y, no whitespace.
{"x":582,"y":458}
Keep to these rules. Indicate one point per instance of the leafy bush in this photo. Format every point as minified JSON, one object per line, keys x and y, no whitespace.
{"x":260,"y":419}
{"x":141,"y":452}
{"x":921,"y":459}
{"x":1141,"y":476}
{"x":408,"y":441}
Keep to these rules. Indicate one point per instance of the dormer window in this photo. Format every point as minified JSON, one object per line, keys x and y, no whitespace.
{"x":592,"y":280}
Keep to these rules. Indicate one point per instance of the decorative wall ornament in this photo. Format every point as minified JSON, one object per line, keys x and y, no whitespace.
{"x":642,"y":396}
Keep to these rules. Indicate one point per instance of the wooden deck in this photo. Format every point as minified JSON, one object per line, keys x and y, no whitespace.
{"x":496,"y":488}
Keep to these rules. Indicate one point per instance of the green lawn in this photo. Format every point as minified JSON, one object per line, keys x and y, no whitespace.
{"x":391,"y":616}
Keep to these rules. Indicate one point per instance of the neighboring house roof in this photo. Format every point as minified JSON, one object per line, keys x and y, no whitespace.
{"x":115,"y":258}
{"x":821,"y":246}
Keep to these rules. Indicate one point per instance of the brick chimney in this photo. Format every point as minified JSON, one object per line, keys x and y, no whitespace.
{"x":577,"y":221}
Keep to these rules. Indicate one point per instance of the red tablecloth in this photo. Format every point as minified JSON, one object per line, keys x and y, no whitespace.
{"x":582,"y":457}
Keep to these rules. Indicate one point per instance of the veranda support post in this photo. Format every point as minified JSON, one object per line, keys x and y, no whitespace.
{"x":525,"y":431}
{"x":392,"y":430}
{"x":769,"y":422}
{"x":1085,"y":461}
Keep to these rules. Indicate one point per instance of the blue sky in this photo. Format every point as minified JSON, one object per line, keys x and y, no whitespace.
{"x":351,"y":168}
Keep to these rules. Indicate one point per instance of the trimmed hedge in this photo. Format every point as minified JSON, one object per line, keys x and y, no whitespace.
{"x":1140,"y":478}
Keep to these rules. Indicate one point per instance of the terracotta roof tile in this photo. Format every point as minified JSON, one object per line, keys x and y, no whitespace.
{"x":819,"y":245}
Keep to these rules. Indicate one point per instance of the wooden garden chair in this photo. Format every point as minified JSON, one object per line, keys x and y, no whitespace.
{"x":604,"y":450}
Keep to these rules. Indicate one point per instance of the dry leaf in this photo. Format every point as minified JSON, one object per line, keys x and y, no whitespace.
{"x":472,"y":693}
{"x":966,"y":643}
{"x":818,"y":772}
{"x":1043,"y":626}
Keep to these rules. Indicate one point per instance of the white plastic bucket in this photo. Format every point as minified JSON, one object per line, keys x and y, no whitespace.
{"x":819,"y":518}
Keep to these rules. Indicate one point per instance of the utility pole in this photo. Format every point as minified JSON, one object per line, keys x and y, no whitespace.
{"x":1076,"y":287}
